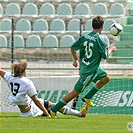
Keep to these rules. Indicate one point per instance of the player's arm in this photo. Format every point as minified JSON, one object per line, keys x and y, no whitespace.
{"x":104,"y":47}
{"x":110,"y":50}
{"x":75,"y":57}
{"x":74,"y":47}
{"x":2,"y":73}
{"x":40,"y":105}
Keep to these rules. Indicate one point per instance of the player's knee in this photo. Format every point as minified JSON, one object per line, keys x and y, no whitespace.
{"x":51,"y":104}
{"x":107,"y":79}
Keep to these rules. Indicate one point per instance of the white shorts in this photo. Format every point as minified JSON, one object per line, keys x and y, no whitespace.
{"x":34,"y":110}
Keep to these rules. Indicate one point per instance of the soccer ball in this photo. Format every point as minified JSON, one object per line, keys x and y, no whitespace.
{"x":116,"y":29}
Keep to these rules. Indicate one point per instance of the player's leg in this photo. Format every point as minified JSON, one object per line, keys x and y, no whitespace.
{"x":102,"y":82}
{"x":78,"y":88}
{"x":68,"y":111}
{"x":50,"y":104}
{"x":101,"y":79}
{"x":67,"y":98}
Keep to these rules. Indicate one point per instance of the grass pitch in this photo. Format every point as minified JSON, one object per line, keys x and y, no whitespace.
{"x":13,"y":123}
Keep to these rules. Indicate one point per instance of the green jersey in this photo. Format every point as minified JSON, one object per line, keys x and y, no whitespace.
{"x":92,"y":48}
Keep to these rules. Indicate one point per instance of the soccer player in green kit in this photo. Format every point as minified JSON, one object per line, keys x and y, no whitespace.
{"x":92,"y":48}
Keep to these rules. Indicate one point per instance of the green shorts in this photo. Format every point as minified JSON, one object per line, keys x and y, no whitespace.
{"x":85,"y":80}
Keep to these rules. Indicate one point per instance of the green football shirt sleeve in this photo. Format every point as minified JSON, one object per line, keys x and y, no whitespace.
{"x":103,"y":46}
{"x":75,"y":45}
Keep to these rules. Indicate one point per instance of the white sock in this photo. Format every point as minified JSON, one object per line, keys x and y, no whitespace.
{"x":69,"y":111}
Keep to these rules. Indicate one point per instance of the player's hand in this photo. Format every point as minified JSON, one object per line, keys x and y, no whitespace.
{"x":75,"y":63}
{"x":112,"y":48}
{"x":49,"y":115}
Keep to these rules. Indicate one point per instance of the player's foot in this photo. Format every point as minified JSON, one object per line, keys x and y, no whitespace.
{"x":53,"y":114}
{"x":84,"y":110}
{"x":88,"y":101}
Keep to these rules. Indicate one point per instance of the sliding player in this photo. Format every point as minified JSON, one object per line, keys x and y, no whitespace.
{"x":24,"y":94}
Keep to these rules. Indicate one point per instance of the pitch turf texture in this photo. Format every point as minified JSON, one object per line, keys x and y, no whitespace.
{"x":12,"y":123}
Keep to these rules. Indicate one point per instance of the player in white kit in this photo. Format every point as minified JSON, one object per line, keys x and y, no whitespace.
{"x":24,"y":94}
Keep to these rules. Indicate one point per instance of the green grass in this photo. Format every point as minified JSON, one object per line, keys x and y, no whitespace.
{"x":12,"y":123}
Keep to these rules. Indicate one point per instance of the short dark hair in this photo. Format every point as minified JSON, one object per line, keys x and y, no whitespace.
{"x":97,"y":22}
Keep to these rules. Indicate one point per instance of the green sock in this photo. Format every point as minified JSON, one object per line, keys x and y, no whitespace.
{"x":58,"y":106}
{"x":92,"y":92}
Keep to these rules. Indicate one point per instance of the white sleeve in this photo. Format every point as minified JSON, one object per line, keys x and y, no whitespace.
{"x":105,"y":40}
{"x":7,"y":77}
{"x":31,"y":90}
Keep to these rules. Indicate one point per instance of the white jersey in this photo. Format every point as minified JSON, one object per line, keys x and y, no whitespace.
{"x":22,"y":89}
